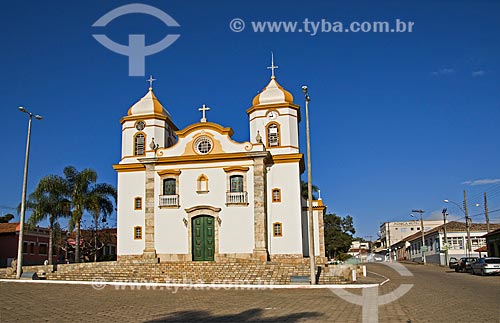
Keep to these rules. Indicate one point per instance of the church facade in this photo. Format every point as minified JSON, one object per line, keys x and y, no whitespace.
{"x":194,"y":194}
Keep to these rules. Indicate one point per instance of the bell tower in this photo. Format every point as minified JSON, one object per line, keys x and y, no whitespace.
{"x":147,"y":126}
{"x":274,"y":118}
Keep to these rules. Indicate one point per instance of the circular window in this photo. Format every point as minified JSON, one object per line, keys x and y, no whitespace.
{"x":203,"y":145}
{"x":140,"y":125}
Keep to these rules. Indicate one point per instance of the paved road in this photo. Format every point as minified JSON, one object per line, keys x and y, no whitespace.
{"x":437,"y":295}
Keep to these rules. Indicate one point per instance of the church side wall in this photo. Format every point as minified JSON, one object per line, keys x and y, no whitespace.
{"x":131,"y":185}
{"x":288,"y":212}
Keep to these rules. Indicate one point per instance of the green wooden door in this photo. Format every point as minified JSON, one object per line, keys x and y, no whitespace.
{"x":203,"y":238}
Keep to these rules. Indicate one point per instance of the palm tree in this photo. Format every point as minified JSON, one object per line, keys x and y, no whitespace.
{"x":304,"y":190}
{"x":99,"y":202}
{"x":49,"y":201}
{"x":80,"y":185}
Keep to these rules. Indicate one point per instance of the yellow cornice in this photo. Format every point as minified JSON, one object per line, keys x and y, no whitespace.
{"x":281,"y":115}
{"x":273,"y":106}
{"x":287,"y":158}
{"x":236,"y":169}
{"x":210,"y":125}
{"x":159,"y":116}
{"x":198,"y":159}
{"x":175,"y":172}
{"x":290,"y":158}
{"x":129,"y":167}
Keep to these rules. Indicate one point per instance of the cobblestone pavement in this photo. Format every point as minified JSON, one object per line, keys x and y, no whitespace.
{"x":438,"y":295}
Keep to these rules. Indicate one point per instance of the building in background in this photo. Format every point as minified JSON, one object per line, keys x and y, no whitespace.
{"x":359,"y":250}
{"x":35,"y":246}
{"x":410,"y":248}
{"x":393,"y":232}
{"x":493,"y":243}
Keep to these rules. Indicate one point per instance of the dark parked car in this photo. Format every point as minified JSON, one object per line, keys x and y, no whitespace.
{"x":464,"y":264}
{"x":453,"y":263}
{"x":486,"y":266}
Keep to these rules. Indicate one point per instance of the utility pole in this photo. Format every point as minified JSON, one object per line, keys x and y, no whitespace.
{"x":389,"y":240}
{"x":312,"y":262}
{"x":421,"y":212}
{"x":486,"y":213}
{"x":467,"y":225}
{"x":445,"y":245}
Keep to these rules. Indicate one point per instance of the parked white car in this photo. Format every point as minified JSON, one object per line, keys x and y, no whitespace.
{"x":486,"y":266}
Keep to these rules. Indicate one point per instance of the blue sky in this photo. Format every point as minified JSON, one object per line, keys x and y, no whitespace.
{"x":399,"y":120}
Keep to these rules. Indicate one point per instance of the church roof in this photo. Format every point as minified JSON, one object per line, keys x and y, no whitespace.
{"x":273,"y":93}
{"x":148,"y":104}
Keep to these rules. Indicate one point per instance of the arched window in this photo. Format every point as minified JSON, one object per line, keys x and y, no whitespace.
{"x":139,"y":144}
{"x":276,"y":195}
{"x":169,"y":186}
{"x":202,"y":184}
{"x":236,"y":183}
{"x":138,"y":203}
{"x":137,"y":233}
{"x":277,"y":229}
{"x":273,"y":135}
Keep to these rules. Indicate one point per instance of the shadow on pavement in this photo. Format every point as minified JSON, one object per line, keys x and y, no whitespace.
{"x":252,"y":315}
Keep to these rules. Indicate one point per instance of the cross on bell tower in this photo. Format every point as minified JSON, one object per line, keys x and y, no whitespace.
{"x":150,"y":80}
{"x":272,"y":67}
{"x":203,"y":110}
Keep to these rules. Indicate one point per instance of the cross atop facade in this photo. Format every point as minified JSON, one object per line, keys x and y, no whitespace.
{"x":203,"y":110}
{"x":272,"y":67}
{"x":150,"y":80}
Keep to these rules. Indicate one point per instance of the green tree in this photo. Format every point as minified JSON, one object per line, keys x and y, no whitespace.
{"x":338,"y":234}
{"x":79,"y":185}
{"x":49,"y":201}
{"x":99,"y":203}
{"x":304,"y":192}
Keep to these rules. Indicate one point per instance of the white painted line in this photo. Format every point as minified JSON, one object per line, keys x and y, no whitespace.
{"x":386,"y":278}
{"x":194,"y":286}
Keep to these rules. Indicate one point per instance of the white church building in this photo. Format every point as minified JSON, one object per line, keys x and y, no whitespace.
{"x":194,"y":194}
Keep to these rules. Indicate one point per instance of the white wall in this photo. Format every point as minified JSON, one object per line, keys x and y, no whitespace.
{"x":131,"y":185}
{"x":285,"y":177}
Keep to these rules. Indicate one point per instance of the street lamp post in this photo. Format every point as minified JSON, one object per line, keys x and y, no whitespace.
{"x":309,"y":190}
{"x":468,"y":222}
{"x":23,"y":198}
{"x":445,"y":245}
{"x":421,"y":212}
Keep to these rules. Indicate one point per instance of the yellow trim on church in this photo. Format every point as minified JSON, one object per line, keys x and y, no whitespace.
{"x":236,"y":169}
{"x":129,"y":167}
{"x":159,"y":116}
{"x":275,"y":106}
{"x":175,"y":172}
{"x":205,"y":125}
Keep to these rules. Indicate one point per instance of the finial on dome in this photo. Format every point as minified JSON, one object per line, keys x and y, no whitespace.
{"x":151,"y":80}
{"x":272,"y":67}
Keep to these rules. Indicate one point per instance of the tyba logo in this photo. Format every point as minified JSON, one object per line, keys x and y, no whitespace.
{"x":136,"y":49}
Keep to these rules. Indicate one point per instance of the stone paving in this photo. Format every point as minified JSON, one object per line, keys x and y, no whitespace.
{"x":438,"y":295}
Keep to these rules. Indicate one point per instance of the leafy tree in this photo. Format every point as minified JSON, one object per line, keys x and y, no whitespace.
{"x":49,"y":201}
{"x":99,"y":203}
{"x":86,"y":195}
{"x":304,"y":190}
{"x":338,"y":234}
{"x":79,"y":185}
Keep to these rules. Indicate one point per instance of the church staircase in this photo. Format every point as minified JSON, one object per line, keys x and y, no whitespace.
{"x":193,"y":272}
